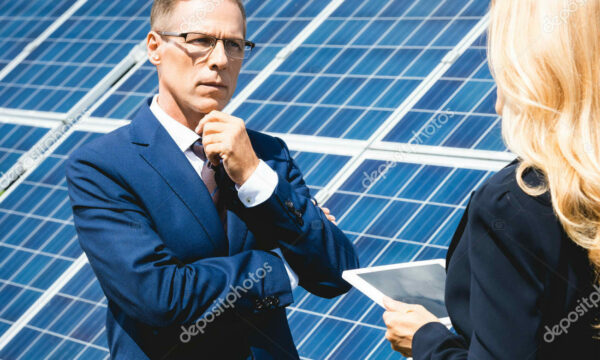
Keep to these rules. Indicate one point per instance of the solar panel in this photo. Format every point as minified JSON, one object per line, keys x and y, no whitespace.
{"x":76,"y":57}
{"x":22,"y":22}
{"x":38,"y":241}
{"x":393,"y":212}
{"x":271,"y":25}
{"x":15,"y":140}
{"x":71,"y":325}
{"x":458,"y":111}
{"x":355,"y":69}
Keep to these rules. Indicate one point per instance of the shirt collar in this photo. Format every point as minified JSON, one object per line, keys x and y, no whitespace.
{"x":183,"y":136}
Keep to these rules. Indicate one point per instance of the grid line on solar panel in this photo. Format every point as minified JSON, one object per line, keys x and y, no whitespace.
{"x":270,"y":31}
{"x":306,"y":81}
{"x":23,"y":22}
{"x":75,"y":57}
{"x":465,"y":95}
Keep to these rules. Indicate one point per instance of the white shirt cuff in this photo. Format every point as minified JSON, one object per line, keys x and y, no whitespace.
{"x":291,"y":274}
{"x":259,"y":187}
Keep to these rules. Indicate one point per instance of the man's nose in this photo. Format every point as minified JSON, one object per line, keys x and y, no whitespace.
{"x":218,"y":56}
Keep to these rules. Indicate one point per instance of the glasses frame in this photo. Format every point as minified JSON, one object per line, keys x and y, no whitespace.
{"x":247,"y":43}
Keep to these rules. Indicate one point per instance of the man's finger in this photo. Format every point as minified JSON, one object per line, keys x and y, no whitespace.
{"x":214,"y":128}
{"x":213,"y":116}
{"x":213,"y":153}
{"x":214,"y":138}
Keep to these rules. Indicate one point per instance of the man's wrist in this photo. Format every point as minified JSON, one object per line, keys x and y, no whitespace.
{"x":259,"y":186}
{"x":249,"y":172}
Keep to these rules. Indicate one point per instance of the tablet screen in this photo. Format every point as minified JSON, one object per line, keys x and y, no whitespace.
{"x":414,"y":285}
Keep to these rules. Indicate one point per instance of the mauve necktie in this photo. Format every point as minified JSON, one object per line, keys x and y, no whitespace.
{"x":208,"y":177}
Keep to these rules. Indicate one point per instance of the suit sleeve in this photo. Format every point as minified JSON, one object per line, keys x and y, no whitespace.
{"x":314,"y":247}
{"x":507,"y":277}
{"x":142,"y":276}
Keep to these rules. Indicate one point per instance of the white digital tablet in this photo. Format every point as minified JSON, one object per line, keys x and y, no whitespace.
{"x":419,"y":282}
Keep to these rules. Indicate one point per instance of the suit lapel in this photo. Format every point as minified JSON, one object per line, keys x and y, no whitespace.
{"x":161,"y":152}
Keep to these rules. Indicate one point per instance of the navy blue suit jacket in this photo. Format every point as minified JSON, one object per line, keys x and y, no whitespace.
{"x":157,"y":245}
{"x":516,"y":285}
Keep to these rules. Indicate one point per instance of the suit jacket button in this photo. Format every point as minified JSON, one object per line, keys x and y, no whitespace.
{"x":259,"y":305}
{"x":289,"y":204}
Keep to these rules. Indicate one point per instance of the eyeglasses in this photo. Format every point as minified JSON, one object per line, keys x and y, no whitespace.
{"x":203,"y":44}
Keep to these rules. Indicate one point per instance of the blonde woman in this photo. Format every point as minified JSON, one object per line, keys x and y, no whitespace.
{"x":522,"y":267}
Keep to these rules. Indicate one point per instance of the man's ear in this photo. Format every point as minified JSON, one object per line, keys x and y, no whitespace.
{"x":153,"y":41}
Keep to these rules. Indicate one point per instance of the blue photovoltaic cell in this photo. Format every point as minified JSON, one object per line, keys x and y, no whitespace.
{"x":393,"y":212}
{"x":458,"y":111}
{"x":356,"y":68}
{"x":81,"y":52}
{"x":37,"y":217}
{"x":271,"y":25}
{"x":70,"y":326}
{"x":21,"y":22}
{"x":15,"y":140}
{"x":37,"y":237}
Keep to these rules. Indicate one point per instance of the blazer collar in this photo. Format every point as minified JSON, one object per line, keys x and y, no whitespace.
{"x":160,"y":151}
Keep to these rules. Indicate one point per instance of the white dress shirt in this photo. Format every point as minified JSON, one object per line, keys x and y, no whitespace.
{"x":256,"y":190}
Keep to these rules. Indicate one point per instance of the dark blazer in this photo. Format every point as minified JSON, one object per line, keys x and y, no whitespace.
{"x":513,"y":277}
{"x":157,"y":245}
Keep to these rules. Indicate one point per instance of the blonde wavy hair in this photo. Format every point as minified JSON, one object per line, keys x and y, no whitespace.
{"x":545,"y":58}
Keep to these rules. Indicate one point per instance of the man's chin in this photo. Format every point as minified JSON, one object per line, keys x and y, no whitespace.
{"x":207,"y":106}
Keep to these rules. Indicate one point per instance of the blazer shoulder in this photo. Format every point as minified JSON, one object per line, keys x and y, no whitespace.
{"x":104,"y":153}
{"x":508,"y":211}
{"x":112,"y":143}
{"x":504,"y":183}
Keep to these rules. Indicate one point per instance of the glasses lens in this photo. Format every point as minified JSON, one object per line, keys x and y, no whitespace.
{"x":200,"y":42}
{"x":235,"y":48}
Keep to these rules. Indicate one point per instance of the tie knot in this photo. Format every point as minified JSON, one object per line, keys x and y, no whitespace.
{"x":198,"y":149}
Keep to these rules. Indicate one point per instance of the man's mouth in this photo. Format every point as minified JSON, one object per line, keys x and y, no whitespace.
{"x":216,"y":85}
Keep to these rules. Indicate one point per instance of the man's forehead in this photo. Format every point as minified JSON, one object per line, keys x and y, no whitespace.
{"x":208,"y":16}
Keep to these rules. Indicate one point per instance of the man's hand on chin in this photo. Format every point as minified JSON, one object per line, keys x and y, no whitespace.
{"x":225,"y":137}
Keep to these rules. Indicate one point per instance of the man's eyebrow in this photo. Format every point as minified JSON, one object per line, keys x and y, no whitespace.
{"x":212,"y":34}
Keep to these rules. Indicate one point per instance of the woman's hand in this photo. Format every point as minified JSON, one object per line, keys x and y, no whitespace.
{"x":327,"y":213}
{"x":403,"y":321}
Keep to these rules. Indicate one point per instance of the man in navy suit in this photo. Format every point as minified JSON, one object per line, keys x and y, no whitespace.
{"x":197,"y":228}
